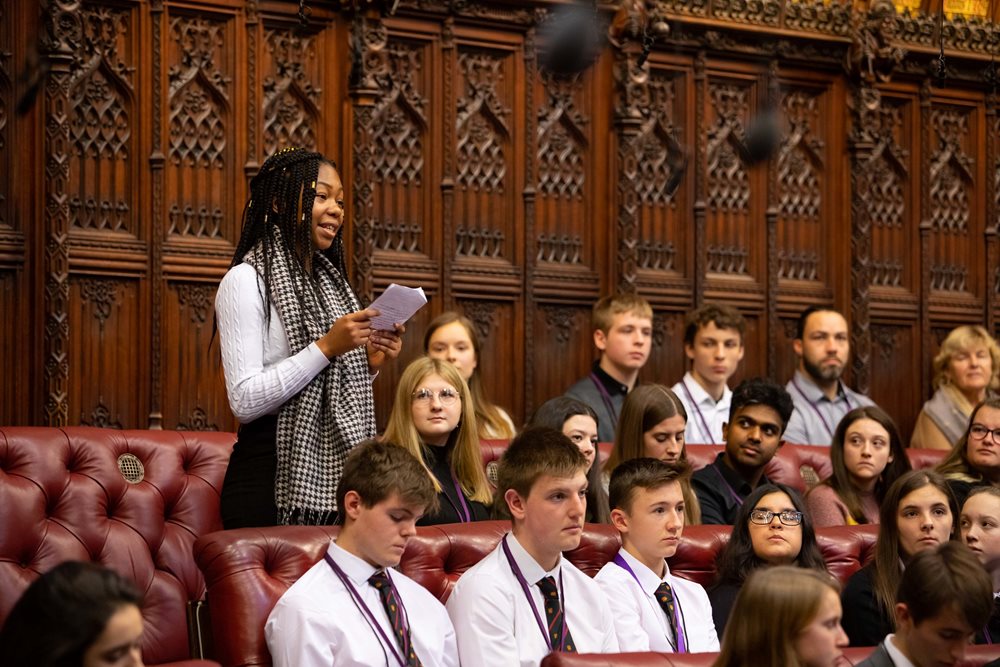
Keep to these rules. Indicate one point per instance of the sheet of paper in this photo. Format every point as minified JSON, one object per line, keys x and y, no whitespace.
{"x":397,"y":304}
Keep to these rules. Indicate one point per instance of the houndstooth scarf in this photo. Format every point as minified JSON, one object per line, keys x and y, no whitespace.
{"x":336,"y":410}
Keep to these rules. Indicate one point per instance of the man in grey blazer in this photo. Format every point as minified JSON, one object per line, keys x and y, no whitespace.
{"x":945,"y":594}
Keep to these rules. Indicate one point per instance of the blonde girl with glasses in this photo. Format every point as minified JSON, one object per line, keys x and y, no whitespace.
{"x":975,"y":458}
{"x":773,"y":528}
{"x":434,"y":420}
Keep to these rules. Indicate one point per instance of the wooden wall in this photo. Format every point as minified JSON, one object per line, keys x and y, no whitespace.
{"x":507,"y":193}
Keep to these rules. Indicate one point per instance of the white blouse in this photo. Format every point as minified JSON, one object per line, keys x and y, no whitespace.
{"x":261,"y":372}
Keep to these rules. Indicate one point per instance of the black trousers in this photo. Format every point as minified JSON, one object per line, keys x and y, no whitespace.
{"x":247,"y":498}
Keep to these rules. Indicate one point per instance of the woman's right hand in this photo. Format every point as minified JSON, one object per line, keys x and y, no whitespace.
{"x":348,"y":332}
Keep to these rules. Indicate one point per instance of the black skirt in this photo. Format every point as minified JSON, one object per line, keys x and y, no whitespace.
{"x":247,"y":498}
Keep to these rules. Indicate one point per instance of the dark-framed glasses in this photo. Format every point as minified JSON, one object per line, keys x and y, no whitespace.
{"x":446,"y":396}
{"x":764,"y":517}
{"x":979,"y":432}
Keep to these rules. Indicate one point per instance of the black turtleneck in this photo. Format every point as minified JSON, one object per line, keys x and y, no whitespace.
{"x":438,"y":459}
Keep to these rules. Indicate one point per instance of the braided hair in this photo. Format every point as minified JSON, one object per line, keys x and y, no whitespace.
{"x":281,"y":197}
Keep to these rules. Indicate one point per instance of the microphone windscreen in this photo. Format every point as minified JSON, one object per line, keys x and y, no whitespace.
{"x":763,"y":136}
{"x":569,"y":40}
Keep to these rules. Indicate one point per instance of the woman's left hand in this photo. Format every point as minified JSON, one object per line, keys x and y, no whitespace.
{"x":382,"y":346}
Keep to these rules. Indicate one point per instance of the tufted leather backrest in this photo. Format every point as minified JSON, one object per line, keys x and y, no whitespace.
{"x":247,"y":570}
{"x":64,"y":498}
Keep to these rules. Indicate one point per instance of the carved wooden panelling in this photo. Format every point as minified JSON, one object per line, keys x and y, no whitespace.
{"x":106,"y":367}
{"x":192,"y":361}
{"x":563,"y":140}
{"x":890,"y":205}
{"x":508,"y":194}
{"x":103,"y":174}
{"x":200,"y":163}
{"x":660,"y":146}
{"x":6,"y":95}
{"x":13,"y":349}
{"x":292,"y":94}
{"x":564,"y":333}
{"x":801,"y":177}
{"x":896,"y":354}
{"x":563,"y":131}
{"x":952,"y":175}
{"x":728,"y":179}
{"x":484,"y":206}
{"x":667,"y":362}
{"x":401,"y":133}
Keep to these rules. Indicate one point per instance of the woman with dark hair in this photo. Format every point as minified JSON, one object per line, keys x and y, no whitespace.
{"x":578,"y":421}
{"x":975,"y":458}
{"x":919,"y":512}
{"x":966,"y":372}
{"x":867,"y":456}
{"x":298,"y":351}
{"x":652,"y":425}
{"x":772,"y":528}
{"x":452,"y":337}
{"x":788,"y":616}
{"x":75,"y":615}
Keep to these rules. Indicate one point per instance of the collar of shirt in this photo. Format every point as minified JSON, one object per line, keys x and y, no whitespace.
{"x":898,"y":659}
{"x":532,"y":571}
{"x":701,"y":396}
{"x":648,"y":580}
{"x":357,"y":569}
{"x":813,"y":393}
{"x":612,"y":385}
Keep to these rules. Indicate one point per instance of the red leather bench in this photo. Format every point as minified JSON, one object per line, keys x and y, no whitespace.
{"x":247,"y":570}
{"x":65,"y":496}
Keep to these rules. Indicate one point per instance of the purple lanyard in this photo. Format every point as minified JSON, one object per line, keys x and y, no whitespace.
{"x":812,"y":405}
{"x":680,"y":646}
{"x":605,"y":396}
{"x":527,"y":593}
{"x":463,"y":512}
{"x":732,"y":491}
{"x":370,"y":617}
{"x":701,"y":417}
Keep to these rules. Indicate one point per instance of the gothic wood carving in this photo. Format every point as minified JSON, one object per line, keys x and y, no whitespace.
{"x":291,"y":101}
{"x":62,"y":31}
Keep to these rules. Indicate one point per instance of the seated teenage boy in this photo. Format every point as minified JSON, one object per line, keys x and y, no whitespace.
{"x":653,"y":610}
{"x":524,"y":599}
{"x":944,"y":597}
{"x":757,"y":417}
{"x":350,"y":608}
{"x":713,"y":341}
{"x":623,"y":334}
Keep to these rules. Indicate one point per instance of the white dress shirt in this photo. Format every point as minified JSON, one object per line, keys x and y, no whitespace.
{"x":703,"y":412}
{"x":317,"y":623}
{"x":494,"y":621}
{"x":897,"y":657}
{"x":261,"y":372}
{"x":641,"y":623}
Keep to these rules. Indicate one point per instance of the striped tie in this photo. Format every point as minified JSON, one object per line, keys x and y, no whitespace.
{"x":554,"y":615}
{"x":380,"y":580}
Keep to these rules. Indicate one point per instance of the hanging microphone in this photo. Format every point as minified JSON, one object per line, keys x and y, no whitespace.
{"x":763,"y":136}
{"x":570,"y":40}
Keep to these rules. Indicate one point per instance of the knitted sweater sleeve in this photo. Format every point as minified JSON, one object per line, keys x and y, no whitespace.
{"x":261,"y":374}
